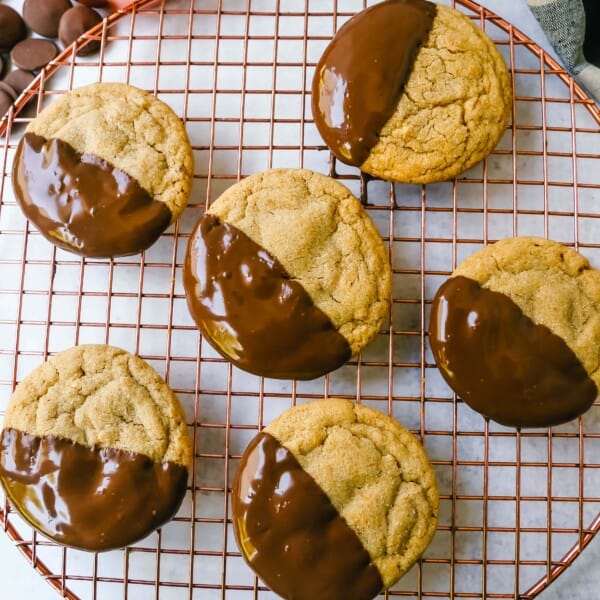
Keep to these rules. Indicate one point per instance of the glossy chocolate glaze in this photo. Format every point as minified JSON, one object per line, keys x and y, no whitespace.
{"x":88,"y":498}
{"x":501,"y":363}
{"x":291,"y":535}
{"x":82,"y":203}
{"x":249,"y":309}
{"x":362,"y":73}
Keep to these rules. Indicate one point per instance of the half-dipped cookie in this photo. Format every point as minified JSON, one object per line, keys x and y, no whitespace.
{"x":286,"y":274}
{"x":95,"y":452}
{"x":411,"y":91}
{"x":103,"y":170}
{"x":333,"y":500}
{"x":515,"y":332}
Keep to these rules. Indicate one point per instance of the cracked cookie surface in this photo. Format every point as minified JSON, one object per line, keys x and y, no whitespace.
{"x":553,"y":285}
{"x":324,"y":239}
{"x":454,"y":108}
{"x":102,"y":396}
{"x":375,"y":473}
{"x":130,"y":129}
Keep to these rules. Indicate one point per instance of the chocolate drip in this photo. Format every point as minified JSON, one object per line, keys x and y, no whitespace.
{"x":89,"y":498}
{"x":363,"y":71}
{"x":501,"y":363}
{"x":252,"y":312}
{"x":82,"y":203}
{"x":291,"y":534}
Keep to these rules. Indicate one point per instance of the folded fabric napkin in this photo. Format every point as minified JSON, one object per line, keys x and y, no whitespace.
{"x":573,"y":28}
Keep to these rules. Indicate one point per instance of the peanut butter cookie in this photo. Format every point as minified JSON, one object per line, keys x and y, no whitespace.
{"x":286,"y":275}
{"x":411,"y":91}
{"x":516,"y":332}
{"x":103,"y":170}
{"x":333,"y":496}
{"x":95,"y":451}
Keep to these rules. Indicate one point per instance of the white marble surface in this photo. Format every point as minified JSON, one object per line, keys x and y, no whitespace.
{"x":18,"y":581}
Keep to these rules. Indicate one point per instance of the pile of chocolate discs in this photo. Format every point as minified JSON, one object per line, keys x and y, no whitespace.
{"x":21,"y":55}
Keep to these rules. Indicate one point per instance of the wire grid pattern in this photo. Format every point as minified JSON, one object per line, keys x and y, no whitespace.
{"x":516,"y":506}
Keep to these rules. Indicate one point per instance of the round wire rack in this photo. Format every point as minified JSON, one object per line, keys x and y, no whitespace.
{"x":517,"y":507}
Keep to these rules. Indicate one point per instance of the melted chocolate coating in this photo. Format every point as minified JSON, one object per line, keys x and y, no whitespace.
{"x":501,"y":363}
{"x":88,"y":498}
{"x":82,"y":203}
{"x":249,"y":309}
{"x":291,"y":534}
{"x":363,"y":71}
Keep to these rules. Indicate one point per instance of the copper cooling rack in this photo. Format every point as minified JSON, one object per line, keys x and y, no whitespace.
{"x":517,"y":506}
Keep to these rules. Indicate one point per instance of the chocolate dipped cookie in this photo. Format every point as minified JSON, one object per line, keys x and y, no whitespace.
{"x":286,"y":275}
{"x":95,"y":452}
{"x":333,"y":500}
{"x":103,"y":170}
{"x":411,"y":91}
{"x":515,"y":332}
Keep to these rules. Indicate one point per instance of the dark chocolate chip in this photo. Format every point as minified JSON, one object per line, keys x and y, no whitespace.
{"x":19,"y":80}
{"x":74,"y":23}
{"x":43,"y":16}
{"x":94,"y":3}
{"x":9,"y":90}
{"x":12,"y":28}
{"x":33,"y":54}
{"x":5,"y":102}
